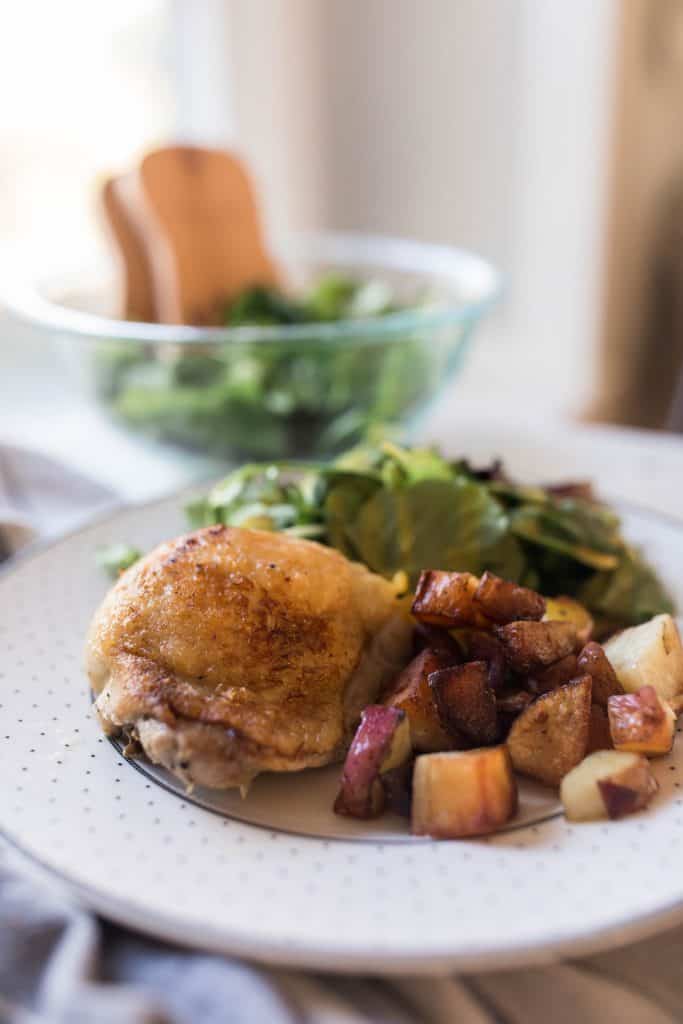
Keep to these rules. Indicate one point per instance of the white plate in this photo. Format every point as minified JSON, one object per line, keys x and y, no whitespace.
{"x":345,"y":896}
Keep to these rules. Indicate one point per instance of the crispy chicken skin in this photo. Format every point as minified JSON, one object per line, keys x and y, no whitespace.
{"x":228,"y":651}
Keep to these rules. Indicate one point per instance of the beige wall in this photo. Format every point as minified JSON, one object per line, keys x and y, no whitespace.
{"x":477,"y":122}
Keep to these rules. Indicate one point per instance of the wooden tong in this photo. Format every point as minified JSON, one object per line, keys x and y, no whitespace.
{"x":188,"y":232}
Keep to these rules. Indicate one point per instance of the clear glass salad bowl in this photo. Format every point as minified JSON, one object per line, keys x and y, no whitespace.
{"x":280,"y":391}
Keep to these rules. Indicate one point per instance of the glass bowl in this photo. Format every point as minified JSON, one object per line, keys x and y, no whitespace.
{"x":279,"y":391}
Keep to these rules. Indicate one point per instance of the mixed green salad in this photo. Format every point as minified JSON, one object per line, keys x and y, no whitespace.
{"x":403,"y":510}
{"x":264,"y":399}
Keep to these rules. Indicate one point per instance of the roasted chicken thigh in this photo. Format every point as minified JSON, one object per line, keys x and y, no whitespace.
{"x":228,"y":652}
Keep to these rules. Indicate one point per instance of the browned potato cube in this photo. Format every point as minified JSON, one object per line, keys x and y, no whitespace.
{"x":502,"y":601}
{"x":599,"y":735}
{"x":555,"y":675}
{"x":608,"y":783}
{"x":398,"y":788}
{"x":463,"y":793}
{"x":641,"y":723}
{"x":483,"y":646}
{"x":513,"y":702}
{"x":594,"y":662}
{"x":436,"y":638}
{"x":411,"y":692}
{"x":551,"y":736}
{"x":465,"y":702}
{"x":649,"y":655}
{"x":509,"y":705}
{"x":447,"y":599}
{"x":530,"y":646}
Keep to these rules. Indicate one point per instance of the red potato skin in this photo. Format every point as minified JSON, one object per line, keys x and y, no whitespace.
{"x":503,"y":602}
{"x":639,"y":718}
{"x":621,"y":800}
{"x":643,"y":707}
{"x":630,"y":790}
{"x":361,"y":794}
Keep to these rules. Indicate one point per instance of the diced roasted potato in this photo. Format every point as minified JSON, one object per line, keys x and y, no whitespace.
{"x":641,"y":722}
{"x":483,"y":646}
{"x":436,"y":638}
{"x":594,"y":662}
{"x":398,"y":788}
{"x":530,"y":646}
{"x":447,"y":599}
{"x":509,"y":705}
{"x":599,"y":735}
{"x":607,"y":784}
{"x":381,"y":744}
{"x":554,"y":675}
{"x":502,"y":601}
{"x":649,"y":655}
{"x":513,"y":702}
{"x":551,"y":736}
{"x":412,"y":694}
{"x":566,"y":609}
{"x":463,"y":793}
{"x":465,"y":702}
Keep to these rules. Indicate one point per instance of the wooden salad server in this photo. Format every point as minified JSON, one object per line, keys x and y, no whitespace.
{"x":202,"y":232}
{"x":138,"y":289}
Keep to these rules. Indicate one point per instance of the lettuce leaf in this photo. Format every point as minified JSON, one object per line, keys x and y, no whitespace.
{"x":397,"y":508}
{"x":426,"y":525}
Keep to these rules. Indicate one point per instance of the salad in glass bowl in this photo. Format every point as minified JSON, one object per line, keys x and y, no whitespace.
{"x":367,"y":333}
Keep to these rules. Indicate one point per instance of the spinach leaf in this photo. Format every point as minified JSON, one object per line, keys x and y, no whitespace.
{"x":331,"y":297}
{"x":400,"y":509}
{"x":115,"y":558}
{"x":263,"y":306}
{"x":629,"y":594}
{"x":570,"y":531}
{"x":346,"y":494}
{"x":429,"y":524}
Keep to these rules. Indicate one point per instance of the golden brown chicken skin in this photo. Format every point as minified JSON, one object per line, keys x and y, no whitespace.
{"x":228,"y":651}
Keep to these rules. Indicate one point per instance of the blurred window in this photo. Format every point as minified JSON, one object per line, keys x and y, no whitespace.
{"x":85,"y":86}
